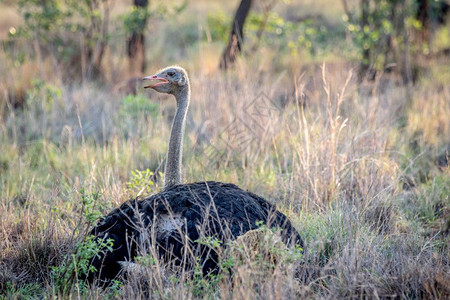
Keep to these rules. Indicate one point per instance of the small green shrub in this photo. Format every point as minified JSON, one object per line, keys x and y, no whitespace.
{"x":23,"y":291}
{"x":145,"y":260}
{"x":66,"y":276}
{"x":134,"y":106}
{"x":211,"y":242}
{"x":140,"y":182}
{"x":91,"y":211}
{"x":204,"y":286}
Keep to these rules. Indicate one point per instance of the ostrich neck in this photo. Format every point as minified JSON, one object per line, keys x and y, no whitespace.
{"x":175,"y":152}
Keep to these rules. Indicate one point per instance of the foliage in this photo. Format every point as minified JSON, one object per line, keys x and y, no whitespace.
{"x":372,"y":32}
{"x":382,"y":31}
{"x":136,"y":19}
{"x":134,"y":106}
{"x":204,"y":285}
{"x":260,"y":251}
{"x":210,"y":241}
{"x":267,"y":251}
{"x":42,"y":95}
{"x":90,"y":208}
{"x":145,"y":260}
{"x":218,"y":26}
{"x":273,"y":30}
{"x":430,"y":206}
{"x":66,"y":276}
{"x":67,"y":29}
{"x":24,"y":291}
{"x":278,"y":32}
{"x":141,"y":182}
{"x":162,"y":8}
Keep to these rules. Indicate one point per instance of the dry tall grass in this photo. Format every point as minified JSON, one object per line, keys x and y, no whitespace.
{"x":331,"y":159}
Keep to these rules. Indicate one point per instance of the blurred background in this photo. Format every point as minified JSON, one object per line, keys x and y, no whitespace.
{"x":110,"y":41}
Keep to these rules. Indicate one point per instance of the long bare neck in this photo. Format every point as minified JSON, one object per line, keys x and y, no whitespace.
{"x":175,"y":152}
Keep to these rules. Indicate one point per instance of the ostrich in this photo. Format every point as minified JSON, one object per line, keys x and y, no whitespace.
{"x":179,"y":216}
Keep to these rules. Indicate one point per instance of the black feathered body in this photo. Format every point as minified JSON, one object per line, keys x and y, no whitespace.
{"x":180,"y":216}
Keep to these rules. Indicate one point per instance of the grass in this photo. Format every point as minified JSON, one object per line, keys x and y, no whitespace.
{"x":362,"y":174}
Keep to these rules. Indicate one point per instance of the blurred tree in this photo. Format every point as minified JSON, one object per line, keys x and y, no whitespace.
{"x":392,"y":33}
{"x":431,"y":13}
{"x":365,"y":66}
{"x":379,"y":29}
{"x":135,"y":24}
{"x":96,"y":16}
{"x":266,"y":9}
{"x":234,"y":45}
{"x":266,"y":28}
{"x":74,"y":32}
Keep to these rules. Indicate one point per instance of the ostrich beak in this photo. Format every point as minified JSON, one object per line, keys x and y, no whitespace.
{"x":155,"y":77}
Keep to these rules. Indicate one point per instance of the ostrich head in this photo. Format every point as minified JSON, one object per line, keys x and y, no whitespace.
{"x":171,"y":80}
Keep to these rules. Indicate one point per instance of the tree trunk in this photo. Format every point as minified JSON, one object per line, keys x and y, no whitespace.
{"x":407,"y":75}
{"x":364,"y":67}
{"x":236,"y":37}
{"x":136,"y":44}
{"x":423,"y":15}
{"x":96,"y":40}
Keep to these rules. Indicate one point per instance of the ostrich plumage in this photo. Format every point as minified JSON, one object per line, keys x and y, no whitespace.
{"x":201,"y":209}
{"x":177,"y":218}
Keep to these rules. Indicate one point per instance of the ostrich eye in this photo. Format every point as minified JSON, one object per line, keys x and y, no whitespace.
{"x":170,"y":73}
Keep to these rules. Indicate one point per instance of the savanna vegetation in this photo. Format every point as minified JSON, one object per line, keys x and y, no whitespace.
{"x":335,"y":111}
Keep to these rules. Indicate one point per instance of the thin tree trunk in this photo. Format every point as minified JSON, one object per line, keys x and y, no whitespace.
{"x":234,"y":45}
{"x":136,"y":44}
{"x":364,"y":67}
{"x":98,"y":32}
{"x":407,"y":76}
{"x":423,"y":15}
